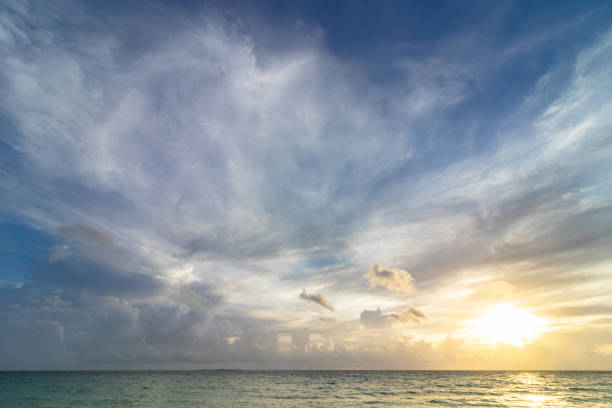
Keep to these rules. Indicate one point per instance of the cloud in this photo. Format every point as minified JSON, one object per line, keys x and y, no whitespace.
{"x":59,"y":252}
{"x":83,"y":231}
{"x":316,"y":298}
{"x":94,"y":276}
{"x":83,"y":326}
{"x":410,"y":315}
{"x":395,"y":279}
{"x":95,"y":265}
{"x":300,"y":339}
{"x":493,"y":291}
{"x":376,"y":319}
{"x":179,"y":163}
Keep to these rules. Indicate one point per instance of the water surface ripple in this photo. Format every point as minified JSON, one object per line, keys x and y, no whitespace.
{"x":306,"y":389}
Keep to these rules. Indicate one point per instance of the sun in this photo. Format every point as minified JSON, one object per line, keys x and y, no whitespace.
{"x":506,"y":324}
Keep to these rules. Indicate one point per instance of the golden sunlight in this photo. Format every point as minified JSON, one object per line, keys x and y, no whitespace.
{"x":506,"y":324}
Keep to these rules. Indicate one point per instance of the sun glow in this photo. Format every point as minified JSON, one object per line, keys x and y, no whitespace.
{"x":506,"y":324}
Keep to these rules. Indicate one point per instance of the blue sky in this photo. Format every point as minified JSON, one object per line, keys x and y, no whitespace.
{"x":304,"y":184}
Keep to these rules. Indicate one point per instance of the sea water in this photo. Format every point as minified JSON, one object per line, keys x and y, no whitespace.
{"x":306,"y":389}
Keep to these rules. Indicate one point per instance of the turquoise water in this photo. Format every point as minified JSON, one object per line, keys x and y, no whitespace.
{"x":305,"y":389}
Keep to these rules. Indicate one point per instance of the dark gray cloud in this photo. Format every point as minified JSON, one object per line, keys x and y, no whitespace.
{"x":68,"y":329}
{"x":93,"y":276}
{"x":317,"y":298}
{"x":96,"y":266}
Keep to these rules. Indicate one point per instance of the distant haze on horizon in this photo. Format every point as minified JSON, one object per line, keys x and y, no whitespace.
{"x":306,"y":185}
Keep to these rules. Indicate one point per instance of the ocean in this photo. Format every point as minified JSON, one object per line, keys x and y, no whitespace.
{"x":306,"y":389}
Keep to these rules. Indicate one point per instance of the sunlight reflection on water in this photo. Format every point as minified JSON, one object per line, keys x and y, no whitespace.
{"x":306,"y":389}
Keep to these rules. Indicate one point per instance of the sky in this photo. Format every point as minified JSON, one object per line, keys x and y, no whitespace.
{"x":306,"y":185}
